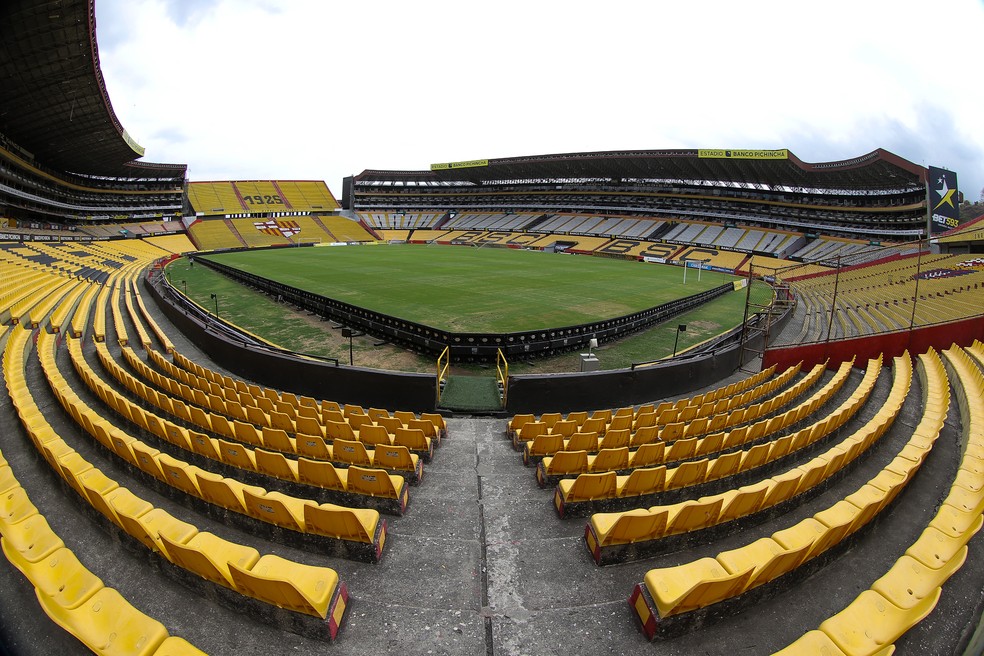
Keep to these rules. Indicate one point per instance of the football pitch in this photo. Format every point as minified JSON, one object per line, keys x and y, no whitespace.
{"x":467,"y":289}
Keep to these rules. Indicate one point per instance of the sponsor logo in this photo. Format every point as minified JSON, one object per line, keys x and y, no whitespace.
{"x":274,"y":228}
{"x":743,"y":154}
{"x":976,"y":264}
{"x":934,"y":274}
{"x":468,"y":164}
{"x":945,"y":193}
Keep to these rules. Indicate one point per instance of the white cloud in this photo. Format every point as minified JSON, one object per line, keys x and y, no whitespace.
{"x":318,"y":90}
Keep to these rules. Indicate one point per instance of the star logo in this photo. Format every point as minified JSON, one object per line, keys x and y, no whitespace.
{"x":945,"y":194}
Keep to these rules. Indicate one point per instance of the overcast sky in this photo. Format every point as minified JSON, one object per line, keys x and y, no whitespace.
{"x":313,"y":89}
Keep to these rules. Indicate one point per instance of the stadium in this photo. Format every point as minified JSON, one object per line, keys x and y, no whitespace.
{"x":685,"y":401}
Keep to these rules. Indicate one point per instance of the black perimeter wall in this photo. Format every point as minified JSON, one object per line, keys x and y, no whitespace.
{"x":408,"y":391}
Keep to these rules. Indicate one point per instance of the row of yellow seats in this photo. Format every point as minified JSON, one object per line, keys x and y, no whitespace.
{"x":155,"y":327}
{"x":128,"y":293}
{"x":677,"y":441}
{"x":707,"y":581}
{"x":579,"y":417}
{"x":288,"y":412}
{"x":607,"y":485}
{"x":396,"y":454}
{"x":69,"y":593}
{"x":651,"y":452}
{"x":645,"y":430}
{"x":909,"y":591}
{"x":347,"y":410}
{"x":649,"y":525}
{"x":360,"y":526}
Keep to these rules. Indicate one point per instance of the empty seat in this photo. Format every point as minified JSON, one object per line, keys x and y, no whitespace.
{"x":692,"y":585}
{"x":107,"y":623}
{"x":871,"y":622}
{"x":295,"y":586}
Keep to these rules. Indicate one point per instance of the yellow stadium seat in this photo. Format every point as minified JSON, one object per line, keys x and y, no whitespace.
{"x":692,"y":515}
{"x":544,"y":445}
{"x":204,"y":445}
{"x":648,"y":455}
{"x":809,"y":474}
{"x":295,"y":586}
{"x":628,"y":527}
{"x":953,"y":522}
{"x":235,"y":454}
{"x":275,"y":464}
{"x":755,"y":457}
{"x":350,"y":524}
{"x":276,"y":508}
{"x":566,"y":463}
{"x":124,"y":501}
{"x":276,"y":439}
{"x":765,"y":557}
{"x":223,"y":492}
{"x":309,"y":426}
{"x":935,"y":548}
{"x":147,"y":459}
{"x":588,"y":487}
{"x":15,"y":506}
{"x":839,"y":520}
{"x":681,"y":449}
{"x":909,"y":581}
{"x":374,"y":482}
{"x":320,"y":473}
{"x":32,"y":538}
{"x":724,"y":465}
{"x":649,"y":480}
{"x":803,"y":533}
{"x":208,"y":555}
{"x":374,"y":434}
{"x":581,"y":441}
{"x":518,"y":421}
{"x":412,"y":438}
{"x":687,"y":474}
{"x":692,"y":585}
{"x":59,"y":575}
{"x":397,"y":458}
{"x":351,"y":452}
{"x":871,"y":622}
{"x":644,"y":435}
{"x":313,"y":447}
{"x":711,"y":444}
{"x":107,"y":623}
{"x":149,"y":526}
{"x":615,"y":439}
{"x":742,"y":502}
{"x":179,"y":474}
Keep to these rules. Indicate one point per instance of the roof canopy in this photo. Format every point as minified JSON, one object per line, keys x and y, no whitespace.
{"x":54,"y":102}
{"x":774,"y":169}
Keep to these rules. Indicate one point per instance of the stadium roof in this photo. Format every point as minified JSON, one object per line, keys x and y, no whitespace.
{"x":775,"y":169}
{"x":54,"y":102}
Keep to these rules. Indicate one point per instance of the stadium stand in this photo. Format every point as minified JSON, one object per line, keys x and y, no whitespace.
{"x":809,"y":508}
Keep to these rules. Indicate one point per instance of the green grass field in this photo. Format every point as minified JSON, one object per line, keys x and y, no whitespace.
{"x":304,"y":333}
{"x":463,"y":289}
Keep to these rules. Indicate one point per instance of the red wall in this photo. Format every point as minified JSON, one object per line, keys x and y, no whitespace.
{"x":940,"y":336}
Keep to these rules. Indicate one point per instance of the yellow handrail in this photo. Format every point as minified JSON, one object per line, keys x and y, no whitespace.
{"x":446,"y":356}
{"x":502,"y":374}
